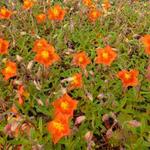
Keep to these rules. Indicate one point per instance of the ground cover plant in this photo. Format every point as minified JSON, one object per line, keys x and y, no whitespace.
{"x":74,"y":74}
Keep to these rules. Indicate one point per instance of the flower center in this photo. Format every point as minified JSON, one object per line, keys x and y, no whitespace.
{"x":75,"y":81}
{"x":39,"y":44}
{"x":58,"y":125}
{"x":41,"y":16}
{"x":3,"y":11}
{"x":8,"y":69}
{"x":94,"y":14}
{"x":64,"y":105}
{"x":127,"y":76}
{"x":56,"y":12}
{"x":80,"y":59}
{"x":105,"y":55}
{"x":26,"y":3}
{"x":45,"y":54}
{"x":87,"y":2}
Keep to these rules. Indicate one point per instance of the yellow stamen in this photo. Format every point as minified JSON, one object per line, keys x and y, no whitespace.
{"x":45,"y":54}
{"x":127,"y":76}
{"x":3,"y":11}
{"x":64,"y":105}
{"x":75,"y":80}
{"x":105,"y":55}
{"x":56,"y":12}
{"x":26,"y":3}
{"x":40,"y":16}
{"x":94,"y":14}
{"x":8,"y":69}
{"x":58,"y":125}
{"x":39,"y":44}
{"x":80,"y":59}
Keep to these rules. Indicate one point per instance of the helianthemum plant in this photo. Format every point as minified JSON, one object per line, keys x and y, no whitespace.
{"x":81,"y":59}
{"x":128,"y":78}
{"x":10,"y":70}
{"x":74,"y":74}
{"x":105,"y":55}
{"x":65,"y":105}
{"x":56,"y":13}
{"x":58,"y":127}
{"x":45,"y":53}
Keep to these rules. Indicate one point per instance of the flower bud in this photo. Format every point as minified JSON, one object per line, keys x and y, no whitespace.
{"x":88,"y":136}
{"x":79,"y":120}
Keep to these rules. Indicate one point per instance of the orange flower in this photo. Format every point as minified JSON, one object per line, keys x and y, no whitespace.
{"x":147,"y":50}
{"x":10,"y":70}
{"x":94,"y":14}
{"x":87,"y":2}
{"x":13,"y":109}
{"x":46,"y":56}
{"x":20,"y":100}
{"x":105,"y":56}
{"x":129,"y":78}
{"x":81,"y":59}
{"x":5,"y":13}
{"x":27,"y":4}
{"x":65,"y":105}
{"x":59,"y":127}
{"x":40,"y":18}
{"x":3,"y":46}
{"x":146,"y":41}
{"x":39,"y":44}
{"x":20,"y":94}
{"x":106,"y":5}
{"x":76,"y":81}
{"x":56,"y":13}
{"x":20,"y":89}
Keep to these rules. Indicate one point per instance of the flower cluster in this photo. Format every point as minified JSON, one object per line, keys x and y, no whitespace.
{"x":27,"y":4}
{"x":93,"y":12}
{"x":56,"y":13}
{"x":45,"y":53}
{"x":63,"y":111}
